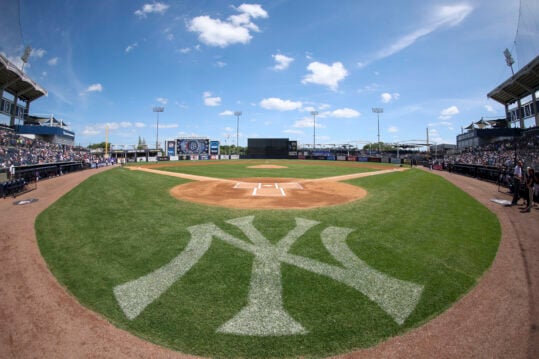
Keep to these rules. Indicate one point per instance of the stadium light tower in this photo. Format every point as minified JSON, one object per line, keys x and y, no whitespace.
{"x":378,"y":111}
{"x":314,"y":113}
{"x":237,"y":114}
{"x":157,"y":109}
{"x":509,"y":60}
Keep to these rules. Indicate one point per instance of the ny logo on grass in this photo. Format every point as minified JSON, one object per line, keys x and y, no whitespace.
{"x":264,"y":314}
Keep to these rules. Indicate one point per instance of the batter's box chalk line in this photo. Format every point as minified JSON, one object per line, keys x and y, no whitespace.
{"x":268,"y":189}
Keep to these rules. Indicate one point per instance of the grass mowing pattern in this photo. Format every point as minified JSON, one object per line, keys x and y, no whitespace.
{"x":120,"y":225}
{"x":294,"y":169}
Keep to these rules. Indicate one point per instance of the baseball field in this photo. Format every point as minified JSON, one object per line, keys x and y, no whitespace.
{"x":267,"y":258}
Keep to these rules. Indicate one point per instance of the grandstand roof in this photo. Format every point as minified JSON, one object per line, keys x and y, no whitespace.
{"x":14,"y":81}
{"x":520,"y":85}
{"x":40,"y":120}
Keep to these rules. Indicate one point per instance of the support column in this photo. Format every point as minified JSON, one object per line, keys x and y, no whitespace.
{"x":13,"y":111}
{"x":507,"y":116}
{"x":519,"y":114}
{"x":535,"y":106}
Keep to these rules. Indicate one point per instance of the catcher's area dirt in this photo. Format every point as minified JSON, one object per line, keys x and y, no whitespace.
{"x":38,"y":319}
{"x":295,"y":194}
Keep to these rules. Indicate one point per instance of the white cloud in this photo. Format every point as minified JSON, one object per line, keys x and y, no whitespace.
{"x":53,"y":61}
{"x":236,"y":29}
{"x":387,"y":97}
{"x":155,"y":8}
{"x":441,"y":123}
{"x":131,"y":47}
{"x":435,"y":136}
{"x":449,"y":112}
{"x":214,"y":32}
{"x":278,"y":104}
{"x":392,"y":129}
{"x":180,"y":105}
{"x":220,"y":64}
{"x":162,"y":100}
{"x":281,"y":62}
{"x":140,"y":125}
{"x":294,"y":132}
{"x":440,"y":16}
{"x":210,"y":100}
{"x":253,"y":10}
{"x":227,"y":113}
{"x":185,"y":50}
{"x":307,"y":122}
{"x":112,"y":126}
{"x":94,"y":88}
{"x":324,"y":106}
{"x":489,"y":108}
{"x":171,"y":125}
{"x":345,"y":113}
{"x":39,"y":53}
{"x":322,"y":74}
{"x":90,"y":131}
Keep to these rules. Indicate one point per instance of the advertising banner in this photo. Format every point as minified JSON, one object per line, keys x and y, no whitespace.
{"x":292,"y":146}
{"x":214,"y":147}
{"x":171,"y":148}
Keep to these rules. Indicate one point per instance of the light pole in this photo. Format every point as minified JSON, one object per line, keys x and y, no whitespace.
{"x":237,"y":114}
{"x":314,"y":113}
{"x":157,"y":109}
{"x":378,"y":111}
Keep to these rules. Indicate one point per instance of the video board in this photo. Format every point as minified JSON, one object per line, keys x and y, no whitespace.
{"x":190,"y":146}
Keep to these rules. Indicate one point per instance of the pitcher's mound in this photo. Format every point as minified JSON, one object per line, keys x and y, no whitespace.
{"x":268,"y":193}
{"x":267,"y":166}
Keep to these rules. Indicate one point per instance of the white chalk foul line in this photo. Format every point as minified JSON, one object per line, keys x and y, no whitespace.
{"x":275,"y":189}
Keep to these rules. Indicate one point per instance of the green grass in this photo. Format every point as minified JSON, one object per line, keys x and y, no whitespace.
{"x":294,"y":169}
{"x":121,"y":224}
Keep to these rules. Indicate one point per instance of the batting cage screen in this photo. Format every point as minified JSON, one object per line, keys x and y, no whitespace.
{"x":267,"y":147}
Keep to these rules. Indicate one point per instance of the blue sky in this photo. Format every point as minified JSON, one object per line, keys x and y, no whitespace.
{"x":428,"y":64}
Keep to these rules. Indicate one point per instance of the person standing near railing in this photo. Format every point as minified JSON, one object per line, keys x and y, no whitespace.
{"x":517,"y":177}
{"x":11,"y":171}
{"x":530,"y":180}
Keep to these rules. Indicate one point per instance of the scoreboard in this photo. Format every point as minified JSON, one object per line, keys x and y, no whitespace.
{"x":190,"y":146}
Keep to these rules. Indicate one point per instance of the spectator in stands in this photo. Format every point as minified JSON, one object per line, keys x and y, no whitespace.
{"x":530,"y":179}
{"x":21,"y":151}
{"x":517,"y":178}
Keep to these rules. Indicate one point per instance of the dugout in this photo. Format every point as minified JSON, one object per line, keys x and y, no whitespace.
{"x":270,"y":148}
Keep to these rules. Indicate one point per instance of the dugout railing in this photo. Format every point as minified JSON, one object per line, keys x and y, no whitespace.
{"x":31,"y":173}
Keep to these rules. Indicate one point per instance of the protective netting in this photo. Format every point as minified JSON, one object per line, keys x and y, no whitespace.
{"x":11,"y":40}
{"x":527,"y":34}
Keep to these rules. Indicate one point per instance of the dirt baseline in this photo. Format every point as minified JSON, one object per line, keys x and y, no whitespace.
{"x":313,"y":193}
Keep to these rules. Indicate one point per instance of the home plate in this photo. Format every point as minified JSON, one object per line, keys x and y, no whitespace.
{"x":268,"y":189}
